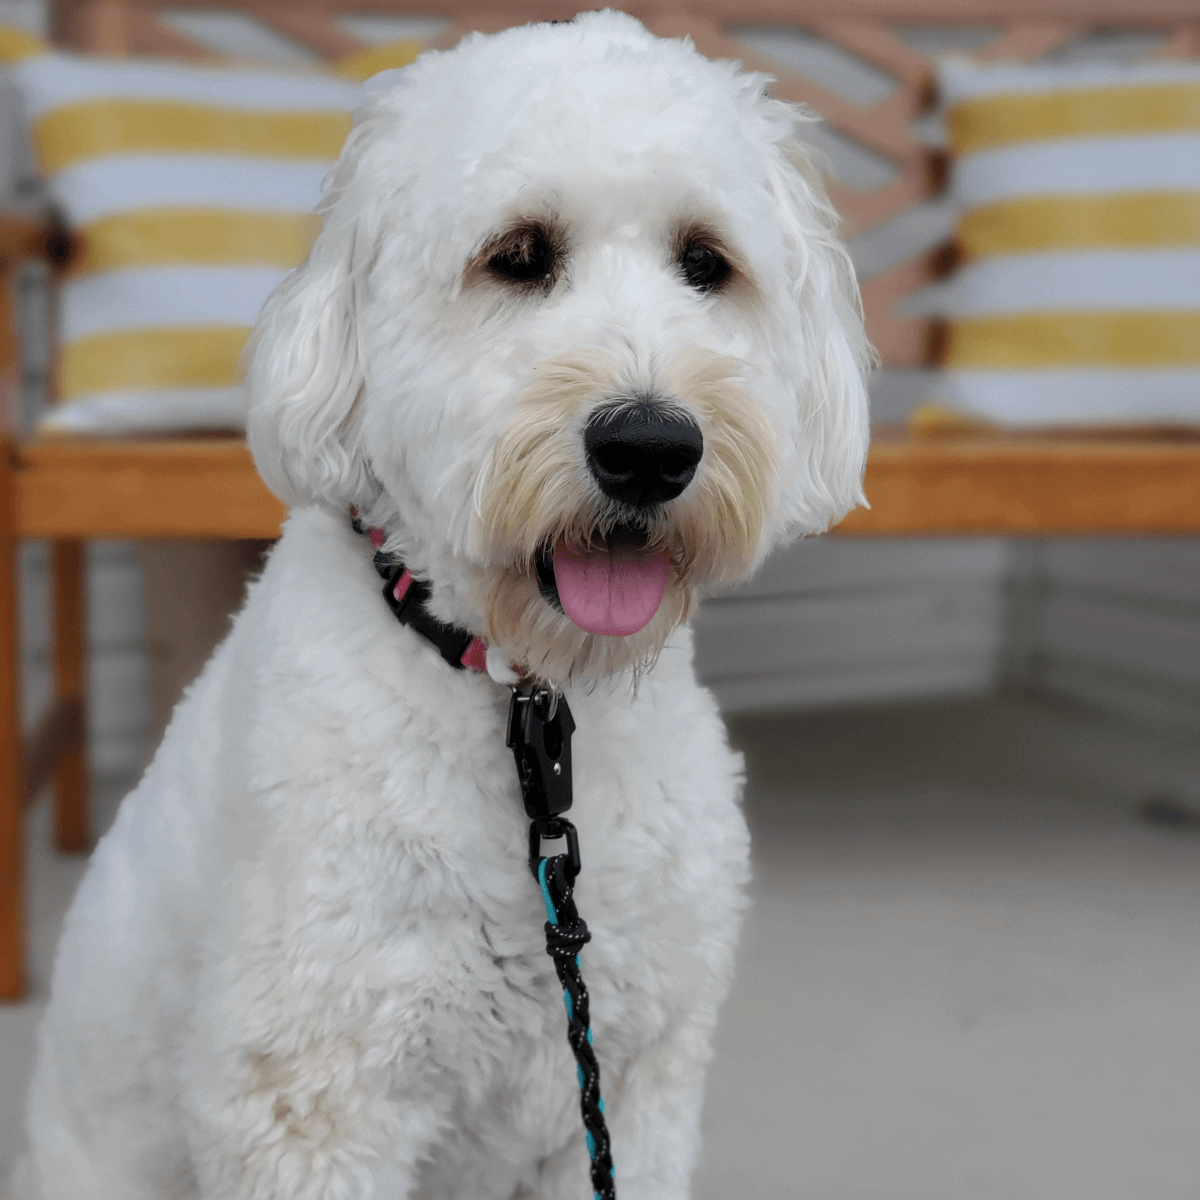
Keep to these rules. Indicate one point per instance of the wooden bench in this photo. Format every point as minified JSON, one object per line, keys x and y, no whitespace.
{"x":67,"y":491}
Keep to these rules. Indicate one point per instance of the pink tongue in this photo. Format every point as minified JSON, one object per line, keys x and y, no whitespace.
{"x":616,"y":592}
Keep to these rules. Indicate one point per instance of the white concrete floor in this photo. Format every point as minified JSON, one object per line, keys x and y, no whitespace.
{"x":972,"y":969}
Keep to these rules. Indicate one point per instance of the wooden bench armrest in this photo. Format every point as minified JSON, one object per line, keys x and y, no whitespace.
{"x":172,"y":487}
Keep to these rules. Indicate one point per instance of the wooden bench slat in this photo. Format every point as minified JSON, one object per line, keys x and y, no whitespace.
{"x":877,"y":44}
{"x":970,"y":484}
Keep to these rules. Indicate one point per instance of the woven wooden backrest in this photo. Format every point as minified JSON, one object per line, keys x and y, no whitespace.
{"x":884,"y":35}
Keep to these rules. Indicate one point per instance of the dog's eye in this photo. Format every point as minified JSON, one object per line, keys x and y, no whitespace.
{"x":528,"y":258}
{"x":704,"y":268}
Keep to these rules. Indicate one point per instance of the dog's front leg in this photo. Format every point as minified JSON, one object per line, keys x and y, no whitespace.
{"x":302,"y":1081}
{"x":655,"y":1112}
{"x":317,"y":1124}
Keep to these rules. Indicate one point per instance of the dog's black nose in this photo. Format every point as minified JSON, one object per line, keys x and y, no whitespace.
{"x":642,"y":454}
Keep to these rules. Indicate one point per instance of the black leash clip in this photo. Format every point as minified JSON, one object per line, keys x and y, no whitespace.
{"x":539,"y":735}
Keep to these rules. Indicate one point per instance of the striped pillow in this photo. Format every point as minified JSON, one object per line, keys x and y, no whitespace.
{"x":1078,"y":194}
{"x":192,"y":189}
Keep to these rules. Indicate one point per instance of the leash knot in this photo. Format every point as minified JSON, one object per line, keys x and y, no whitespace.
{"x":565,"y":941}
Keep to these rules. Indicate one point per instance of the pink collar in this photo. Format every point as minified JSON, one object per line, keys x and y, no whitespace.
{"x":474,"y":657}
{"x":407,"y":597}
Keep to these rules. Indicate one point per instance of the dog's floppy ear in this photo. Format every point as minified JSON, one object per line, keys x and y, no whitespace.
{"x":305,"y":377}
{"x":831,"y":378}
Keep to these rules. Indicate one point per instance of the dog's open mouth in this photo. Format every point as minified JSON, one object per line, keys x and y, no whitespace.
{"x":613,"y":588}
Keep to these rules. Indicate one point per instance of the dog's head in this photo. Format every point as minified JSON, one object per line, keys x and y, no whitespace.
{"x":577,"y":331}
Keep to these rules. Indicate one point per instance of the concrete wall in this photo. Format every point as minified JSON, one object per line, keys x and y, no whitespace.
{"x":1115,"y":624}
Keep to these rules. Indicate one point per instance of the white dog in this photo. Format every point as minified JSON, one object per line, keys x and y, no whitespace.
{"x":578,"y":335}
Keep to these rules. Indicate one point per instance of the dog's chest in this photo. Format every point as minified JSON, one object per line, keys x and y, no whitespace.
{"x":663,"y":849}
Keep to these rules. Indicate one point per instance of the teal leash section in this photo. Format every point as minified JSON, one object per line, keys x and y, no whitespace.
{"x":539,"y":734}
{"x":566,"y":933}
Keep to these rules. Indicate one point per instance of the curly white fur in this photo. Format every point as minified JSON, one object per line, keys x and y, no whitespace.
{"x":307,"y":962}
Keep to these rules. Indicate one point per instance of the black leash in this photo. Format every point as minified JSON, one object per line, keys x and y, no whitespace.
{"x":539,"y":735}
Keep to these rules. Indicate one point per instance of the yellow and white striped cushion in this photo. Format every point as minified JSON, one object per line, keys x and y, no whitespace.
{"x":192,"y":189}
{"x":1078,"y":190}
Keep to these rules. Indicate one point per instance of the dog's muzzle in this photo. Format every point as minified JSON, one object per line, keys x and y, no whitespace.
{"x":642,"y":454}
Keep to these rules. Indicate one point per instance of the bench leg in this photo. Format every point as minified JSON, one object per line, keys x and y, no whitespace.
{"x":72,"y":833}
{"x":12,"y":840}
